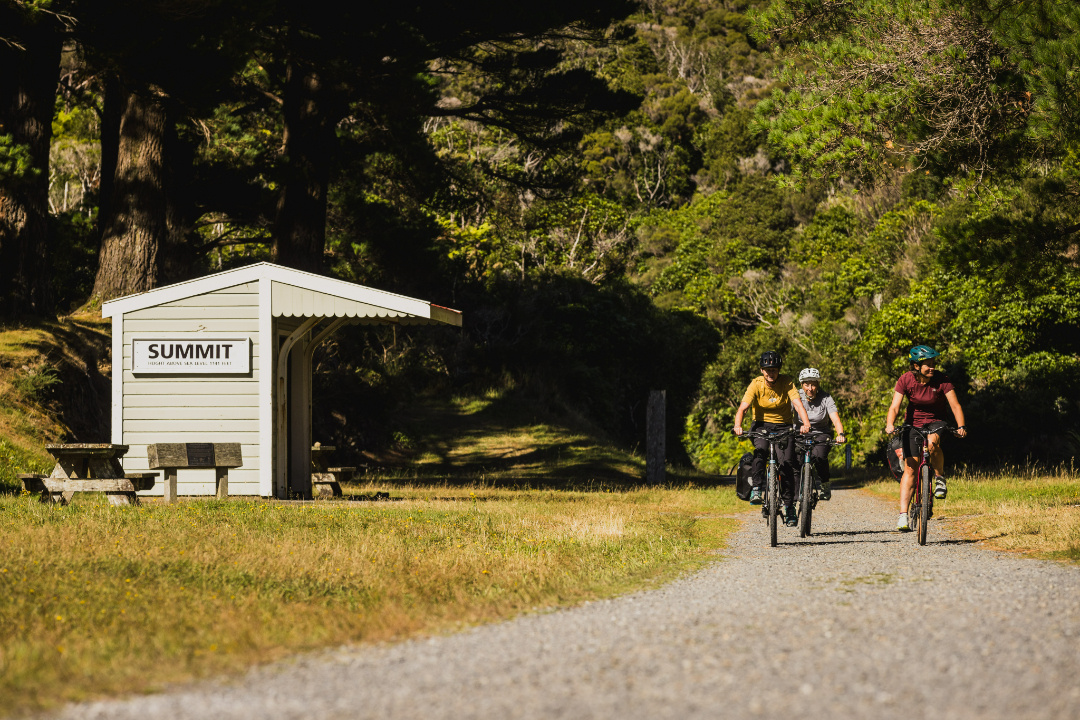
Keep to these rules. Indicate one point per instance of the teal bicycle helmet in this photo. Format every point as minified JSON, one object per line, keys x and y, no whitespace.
{"x":919,"y":353}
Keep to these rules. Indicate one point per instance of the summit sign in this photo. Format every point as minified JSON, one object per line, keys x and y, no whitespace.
{"x":205,"y":355}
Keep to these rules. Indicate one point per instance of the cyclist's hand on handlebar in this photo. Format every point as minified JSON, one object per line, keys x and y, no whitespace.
{"x":737,"y":430}
{"x":840,"y":438}
{"x":890,"y":429}
{"x":961,"y":432}
{"x":805,"y":428}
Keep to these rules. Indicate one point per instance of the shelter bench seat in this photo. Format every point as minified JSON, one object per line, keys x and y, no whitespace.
{"x":172,"y":456}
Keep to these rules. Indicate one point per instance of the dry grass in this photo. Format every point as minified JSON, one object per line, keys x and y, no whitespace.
{"x":97,"y":600}
{"x":1029,"y":509}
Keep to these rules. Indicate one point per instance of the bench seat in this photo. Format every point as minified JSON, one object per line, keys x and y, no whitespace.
{"x":130,"y":483}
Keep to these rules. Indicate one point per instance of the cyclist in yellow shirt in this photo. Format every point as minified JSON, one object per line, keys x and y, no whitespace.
{"x":775,"y":399}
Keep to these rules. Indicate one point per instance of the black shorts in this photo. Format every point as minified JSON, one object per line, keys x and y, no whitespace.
{"x":913,"y":441}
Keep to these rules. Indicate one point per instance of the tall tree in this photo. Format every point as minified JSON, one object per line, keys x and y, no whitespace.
{"x":375,"y":66}
{"x":163,"y":65}
{"x":31,"y":37}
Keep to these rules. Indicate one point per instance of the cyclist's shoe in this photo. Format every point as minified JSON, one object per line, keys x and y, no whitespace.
{"x":902,"y":523}
{"x":940,"y":490}
{"x":826,"y":490}
{"x":755,"y":496}
{"x":791,"y":518}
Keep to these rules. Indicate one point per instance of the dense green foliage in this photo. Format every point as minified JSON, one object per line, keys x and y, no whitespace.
{"x":646,"y":196}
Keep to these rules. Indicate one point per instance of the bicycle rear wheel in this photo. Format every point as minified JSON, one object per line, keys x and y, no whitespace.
{"x":927,"y":494}
{"x":774,"y":503}
{"x":806,"y":503}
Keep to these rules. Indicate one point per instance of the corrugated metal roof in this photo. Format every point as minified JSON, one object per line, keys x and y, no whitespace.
{"x":291,"y":301}
{"x":294,"y":293}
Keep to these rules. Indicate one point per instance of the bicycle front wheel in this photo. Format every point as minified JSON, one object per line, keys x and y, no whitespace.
{"x":774,"y":504}
{"x":806,"y":503}
{"x":927,"y":494}
{"x":913,"y":507}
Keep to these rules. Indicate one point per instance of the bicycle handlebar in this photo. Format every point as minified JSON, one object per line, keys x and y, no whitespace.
{"x":808,"y":441}
{"x":922,"y":432}
{"x":771,"y":436}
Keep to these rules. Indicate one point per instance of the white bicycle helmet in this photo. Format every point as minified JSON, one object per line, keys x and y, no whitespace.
{"x":809,"y":374}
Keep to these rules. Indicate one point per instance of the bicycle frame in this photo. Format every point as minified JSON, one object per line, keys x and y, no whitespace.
{"x":771,"y":506}
{"x":922,"y":498}
{"x":808,"y":497}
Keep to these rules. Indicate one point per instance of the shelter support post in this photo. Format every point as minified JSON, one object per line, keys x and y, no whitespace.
{"x":300,"y":445}
{"x":281,"y":391}
{"x":299,"y":421}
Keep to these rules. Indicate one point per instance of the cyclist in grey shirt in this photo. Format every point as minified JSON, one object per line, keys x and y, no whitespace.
{"x":822,"y":414}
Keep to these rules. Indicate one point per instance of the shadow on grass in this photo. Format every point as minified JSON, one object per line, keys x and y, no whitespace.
{"x":583,"y":482}
{"x":504,"y":441}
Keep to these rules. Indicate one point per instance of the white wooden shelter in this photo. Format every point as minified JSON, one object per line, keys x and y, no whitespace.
{"x":227,"y":358}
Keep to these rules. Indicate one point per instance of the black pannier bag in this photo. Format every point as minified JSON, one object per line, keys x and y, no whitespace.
{"x":894,"y":455}
{"x":744,"y":476}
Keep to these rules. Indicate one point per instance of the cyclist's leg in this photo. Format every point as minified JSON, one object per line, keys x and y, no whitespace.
{"x":761,"y":458}
{"x":937,"y":455}
{"x":911,"y":443}
{"x":937,"y":459}
{"x":907,"y":483}
{"x":786,"y":458}
{"x":820,"y":457}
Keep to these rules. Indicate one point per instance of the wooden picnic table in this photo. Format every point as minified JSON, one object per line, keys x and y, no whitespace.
{"x":326,"y":481}
{"x":88,"y":467}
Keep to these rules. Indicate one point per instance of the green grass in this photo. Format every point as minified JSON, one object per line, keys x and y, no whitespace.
{"x":1032,"y":510}
{"x":96,"y":600}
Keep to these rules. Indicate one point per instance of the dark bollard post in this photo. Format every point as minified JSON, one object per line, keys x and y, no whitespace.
{"x":847,"y":457}
{"x":655,"y":437}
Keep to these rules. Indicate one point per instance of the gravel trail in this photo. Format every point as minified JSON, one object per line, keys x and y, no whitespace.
{"x":856,"y":622}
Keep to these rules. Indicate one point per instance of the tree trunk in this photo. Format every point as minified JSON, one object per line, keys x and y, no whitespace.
{"x":137,"y":229}
{"x":112,"y":112}
{"x":300,"y":226}
{"x":28,"y":82}
{"x":178,"y":259}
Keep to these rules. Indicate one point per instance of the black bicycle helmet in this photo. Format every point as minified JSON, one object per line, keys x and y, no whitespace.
{"x":771,"y":359}
{"x":922,"y":352}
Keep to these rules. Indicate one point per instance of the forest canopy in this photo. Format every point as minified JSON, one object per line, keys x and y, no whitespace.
{"x":621,"y":195}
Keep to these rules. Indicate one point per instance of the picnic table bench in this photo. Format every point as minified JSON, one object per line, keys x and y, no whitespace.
{"x":88,"y":467}
{"x":172,"y":456}
{"x":326,"y":481}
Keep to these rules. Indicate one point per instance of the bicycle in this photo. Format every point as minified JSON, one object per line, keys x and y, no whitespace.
{"x":921,"y":505}
{"x":771,"y":506}
{"x":808,"y":495}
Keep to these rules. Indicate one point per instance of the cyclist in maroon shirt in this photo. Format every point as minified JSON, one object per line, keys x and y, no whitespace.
{"x":931,"y":397}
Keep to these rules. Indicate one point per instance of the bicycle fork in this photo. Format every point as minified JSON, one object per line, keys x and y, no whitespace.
{"x":772,"y":475}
